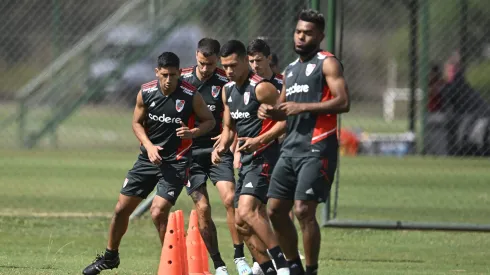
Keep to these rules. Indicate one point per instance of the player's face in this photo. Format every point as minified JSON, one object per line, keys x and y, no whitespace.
{"x":259,"y":63}
{"x":307,"y":38}
{"x":235,"y":66}
{"x":168,"y":77}
{"x":206,"y":65}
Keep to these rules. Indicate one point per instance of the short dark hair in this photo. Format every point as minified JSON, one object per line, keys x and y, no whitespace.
{"x":208,"y":47}
{"x":274,"y":60}
{"x":233,"y":47}
{"x":258,"y":46}
{"x":168,"y":59}
{"x":313,"y":16}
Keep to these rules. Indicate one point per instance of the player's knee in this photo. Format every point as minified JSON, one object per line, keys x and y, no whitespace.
{"x":121,"y":211}
{"x":156,"y":213}
{"x":246,"y":213}
{"x":275,"y":211}
{"x":228,"y":201}
{"x":303,"y":212}
{"x":241,"y":225}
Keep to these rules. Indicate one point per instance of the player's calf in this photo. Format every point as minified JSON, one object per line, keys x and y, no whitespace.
{"x":227,"y":194}
{"x":286,"y":233}
{"x":250,"y":220}
{"x":305,"y":212}
{"x":160,"y":209}
{"x":207,"y":228}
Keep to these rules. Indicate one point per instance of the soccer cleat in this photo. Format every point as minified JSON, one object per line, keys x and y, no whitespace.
{"x":100,"y":263}
{"x":283,"y":271}
{"x":222,"y":270}
{"x":242,"y":266}
{"x":256,"y":270}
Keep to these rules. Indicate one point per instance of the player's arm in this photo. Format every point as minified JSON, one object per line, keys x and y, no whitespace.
{"x":139,"y":115}
{"x":233,"y":144}
{"x":206,"y":119}
{"x":267,"y":94}
{"x":228,"y":132}
{"x":340,"y":103}
{"x":227,"y":136}
{"x":272,"y":111}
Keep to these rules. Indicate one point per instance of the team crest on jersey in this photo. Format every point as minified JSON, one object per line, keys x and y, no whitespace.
{"x":179,"y":105}
{"x":215,"y":91}
{"x":309,"y":69}
{"x":246,"y":97}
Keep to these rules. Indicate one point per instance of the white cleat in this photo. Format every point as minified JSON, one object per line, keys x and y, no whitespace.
{"x":243,"y":267}
{"x":222,"y":271}
{"x":256,"y":270}
{"x":283,"y":271}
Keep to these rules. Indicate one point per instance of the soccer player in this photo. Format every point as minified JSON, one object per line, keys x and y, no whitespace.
{"x":260,"y":60}
{"x":257,"y":142}
{"x":314,"y":92}
{"x":163,"y":121}
{"x":209,"y":81}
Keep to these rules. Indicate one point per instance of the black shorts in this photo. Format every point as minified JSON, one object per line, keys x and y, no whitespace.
{"x":253,"y":179}
{"x":169,"y":178}
{"x":303,"y":178}
{"x":202,"y":168}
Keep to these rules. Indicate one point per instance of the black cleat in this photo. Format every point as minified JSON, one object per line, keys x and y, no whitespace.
{"x":101,"y":263}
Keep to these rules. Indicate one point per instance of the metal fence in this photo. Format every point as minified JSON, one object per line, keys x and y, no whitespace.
{"x":417,"y":71}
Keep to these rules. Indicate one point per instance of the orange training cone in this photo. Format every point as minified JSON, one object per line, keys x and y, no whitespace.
{"x":170,"y":263}
{"x":193,"y":241}
{"x":183,"y":249}
{"x":205,"y":259}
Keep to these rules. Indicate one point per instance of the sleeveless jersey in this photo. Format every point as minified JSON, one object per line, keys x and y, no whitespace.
{"x":164,"y":116}
{"x":277,"y":81}
{"x":309,"y":134}
{"x":244,"y":106}
{"x":211,"y":93}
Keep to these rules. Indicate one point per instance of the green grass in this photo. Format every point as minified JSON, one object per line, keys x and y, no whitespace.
{"x":41,"y":186}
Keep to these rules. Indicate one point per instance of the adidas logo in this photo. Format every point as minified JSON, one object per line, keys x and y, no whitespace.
{"x":290,"y":74}
{"x":229,"y":99}
{"x":310,"y":191}
{"x":171,"y":193}
{"x":270,"y":270}
{"x":152,"y":104}
{"x":249,"y":185}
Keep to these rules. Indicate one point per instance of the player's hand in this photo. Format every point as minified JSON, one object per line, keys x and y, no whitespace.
{"x":153,"y":154}
{"x":250,"y":145}
{"x":265,"y":111}
{"x":236,"y":160}
{"x":291,"y":108}
{"x":216,"y":156}
{"x":217,"y":142}
{"x":184,"y":132}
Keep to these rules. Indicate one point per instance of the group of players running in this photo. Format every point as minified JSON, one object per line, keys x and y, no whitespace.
{"x":191,"y":121}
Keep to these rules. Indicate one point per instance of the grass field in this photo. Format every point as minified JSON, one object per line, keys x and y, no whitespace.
{"x":57,"y":204}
